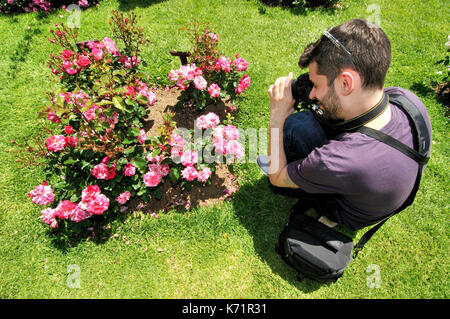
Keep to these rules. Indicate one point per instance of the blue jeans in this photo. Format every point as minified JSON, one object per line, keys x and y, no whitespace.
{"x":302,"y":133}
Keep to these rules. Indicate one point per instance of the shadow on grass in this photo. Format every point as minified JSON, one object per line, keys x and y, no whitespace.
{"x":96,"y":229}
{"x":264,"y":214}
{"x":125,"y":5}
{"x":22,"y":50}
{"x":439,"y":91}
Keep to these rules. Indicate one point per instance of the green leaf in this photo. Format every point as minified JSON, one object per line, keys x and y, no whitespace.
{"x":141,"y":99}
{"x":104,"y":102}
{"x":122,"y":161}
{"x":119,"y":104}
{"x":74,"y":198}
{"x":141,"y":192}
{"x":140,"y":164}
{"x":174,"y":174}
{"x":135,"y":131}
{"x":129,"y":151}
{"x":70,"y":161}
{"x":103,"y":91}
{"x":126,"y":141}
{"x":131,"y":102}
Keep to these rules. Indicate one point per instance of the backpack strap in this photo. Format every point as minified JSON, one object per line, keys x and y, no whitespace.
{"x":422,"y":142}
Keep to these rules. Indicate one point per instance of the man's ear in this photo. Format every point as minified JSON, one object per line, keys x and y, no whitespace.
{"x":348,"y":81}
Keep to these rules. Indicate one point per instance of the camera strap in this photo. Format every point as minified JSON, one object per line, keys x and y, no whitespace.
{"x":420,"y":154}
{"x":356,"y":122}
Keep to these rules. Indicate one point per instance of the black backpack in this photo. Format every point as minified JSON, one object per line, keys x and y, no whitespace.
{"x":322,"y":253}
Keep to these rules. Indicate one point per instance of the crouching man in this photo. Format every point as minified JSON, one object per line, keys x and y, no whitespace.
{"x":364,"y":178}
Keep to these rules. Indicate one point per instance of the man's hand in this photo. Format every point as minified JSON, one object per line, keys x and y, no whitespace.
{"x":281,"y":100}
{"x":281,"y":106}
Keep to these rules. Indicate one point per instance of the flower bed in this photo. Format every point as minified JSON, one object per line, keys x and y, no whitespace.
{"x":8,"y":6}
{"x":99,"y":156}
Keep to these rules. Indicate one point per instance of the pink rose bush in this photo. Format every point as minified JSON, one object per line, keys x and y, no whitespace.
{"x":93,"y":202}
{"x":96,"y":156}
{"x":210,"y":76}
{"x":197,"y":159}
{"x":10,"y":6}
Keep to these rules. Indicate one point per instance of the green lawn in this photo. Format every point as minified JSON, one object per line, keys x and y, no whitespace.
{"x":225,"y":251}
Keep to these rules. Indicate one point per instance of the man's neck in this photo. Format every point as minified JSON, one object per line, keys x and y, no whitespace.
{"x":381,"y":120}
{"x":364,"y":103}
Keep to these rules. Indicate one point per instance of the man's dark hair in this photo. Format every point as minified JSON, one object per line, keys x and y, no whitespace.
{"x":370,"y":51}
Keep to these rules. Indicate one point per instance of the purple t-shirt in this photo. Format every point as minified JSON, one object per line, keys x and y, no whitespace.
{"x":371,"y":179}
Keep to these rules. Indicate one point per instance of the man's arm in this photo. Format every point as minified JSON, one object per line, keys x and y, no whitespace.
{"x":281,"y":106}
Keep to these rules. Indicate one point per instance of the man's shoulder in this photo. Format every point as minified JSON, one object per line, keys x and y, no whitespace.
{"x":410,"y":95}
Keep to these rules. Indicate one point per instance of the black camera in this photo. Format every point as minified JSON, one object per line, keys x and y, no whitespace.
{"x":301,"y":87}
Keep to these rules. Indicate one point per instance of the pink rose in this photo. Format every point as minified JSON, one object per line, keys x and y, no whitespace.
{"x":98,"y":205}
{"x":240,"y":64}
{"x":64,"y":209}
{"x":68,"y":129}
{"x":71,"y":141}
{"x":89,"y":114}
{"x":235,"y":148}
{"x":223,"y":63}
{"x":181,"y":84}
{"x":189,"y":173}
{"x":142,"y":136}
{"x":204,"y":174}
{"x":129,"y":170}
{"x":230,"y":132}
{"x":214,"y":90}
{"x":102,"y":171}
{"x":164,"y":169}
{"x":97,"y":54}
{"x":244,"y":83}
{"x":110,"y":46}
{"x":161,"y":169}
{"x":83,"y":3}
{"x":212,"y":119}
{"x":83,"y":62}
{"x":189,"y":158}
{"x":200,"y":83}
{"x":201,"y":122}
{"x":80,"y":213}
{"x":214,"y":37}
{"x":55,"y":143}
{"x":176,"y":152}
{"x":53,"y":117}
{"x":188,"y":71}
{"x":176,"y":140}
{"x":152,"y":178}
{"x":66,"y":55}
{"x":48,"y":217}
{"x":173,"y":75}
{"x":198,"y":72}
{"x":123,"y":197}
{"x":151,"y":97}
{"x":42,"y":194}
{"x":89,"y":193}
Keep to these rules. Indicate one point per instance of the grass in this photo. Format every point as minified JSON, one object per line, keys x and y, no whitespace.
{"x":224,"y":251}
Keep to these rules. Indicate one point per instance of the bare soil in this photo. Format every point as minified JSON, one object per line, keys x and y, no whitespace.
{"x":222,"y":183}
